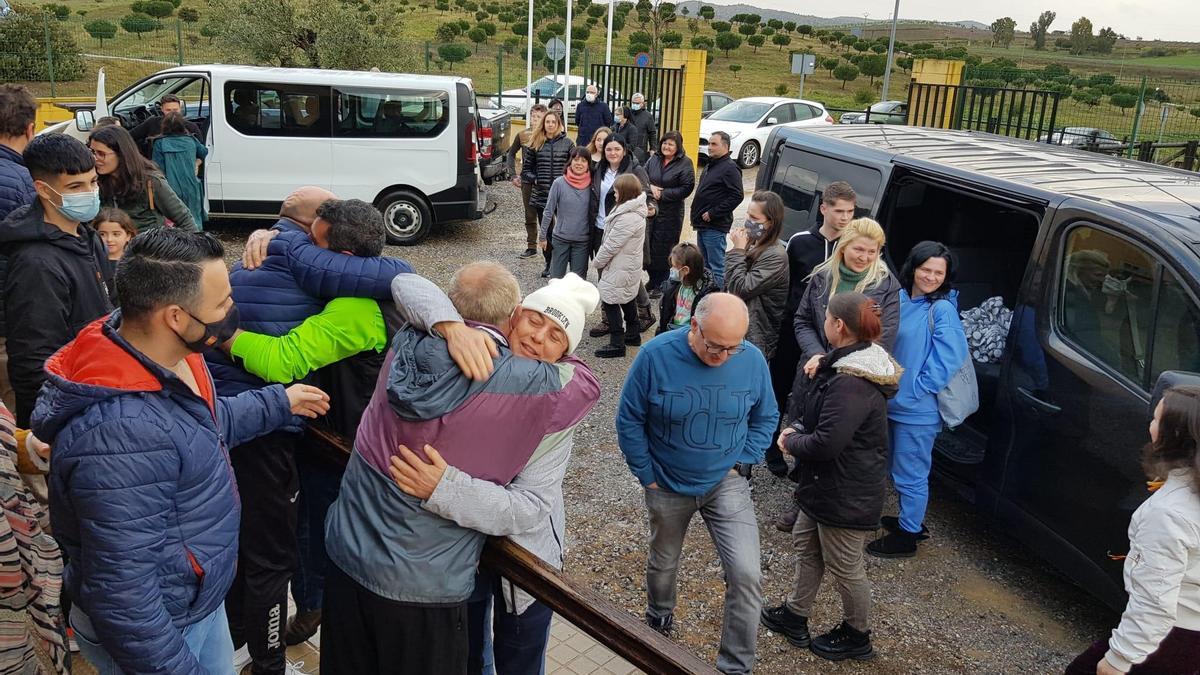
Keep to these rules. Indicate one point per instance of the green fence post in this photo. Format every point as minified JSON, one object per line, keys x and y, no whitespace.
{"x":179,"y":39}
{"x":499,"y":73}
{"x":49,"y":55}
{"x":587,"y":62}
{"x":1137,"y":118}
{"x":427,"y":56}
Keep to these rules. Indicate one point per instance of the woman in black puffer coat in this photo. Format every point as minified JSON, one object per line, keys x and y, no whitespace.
{"x":672,"y":179}
{"x":547,"y":158}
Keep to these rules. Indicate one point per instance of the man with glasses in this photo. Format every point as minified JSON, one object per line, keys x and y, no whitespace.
{"x":696,"y":411}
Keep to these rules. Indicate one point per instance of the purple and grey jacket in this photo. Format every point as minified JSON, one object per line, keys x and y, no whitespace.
{"x":383,"y":538}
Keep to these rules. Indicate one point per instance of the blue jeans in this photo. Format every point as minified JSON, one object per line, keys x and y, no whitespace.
{"x":712,"y":246}
{"x":502,"y":642}
{"x":911,"y":459}
{"x":208,"y":640}
{"x":729,"y":515}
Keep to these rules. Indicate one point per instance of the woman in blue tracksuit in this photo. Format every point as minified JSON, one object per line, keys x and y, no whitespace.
{"x":930,"y":358}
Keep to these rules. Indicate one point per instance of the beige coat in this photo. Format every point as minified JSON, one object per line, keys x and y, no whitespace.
{"x":620,"y":254}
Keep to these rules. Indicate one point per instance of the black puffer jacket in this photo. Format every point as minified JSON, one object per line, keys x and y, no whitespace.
{"x":841,"y":446}
{"x":677,"y":181}
{"x":670,"y":289}
{"x":542,"y":165}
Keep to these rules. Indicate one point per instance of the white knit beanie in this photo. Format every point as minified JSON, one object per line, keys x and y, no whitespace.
{"x":567,"y":302}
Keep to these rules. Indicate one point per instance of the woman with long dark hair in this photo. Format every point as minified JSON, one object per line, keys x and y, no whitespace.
{"x":569,"y":208}
{"x":836,"y":429}
{"x":672,"y":179}
{"x":756,"y":269}
{"x":134,"y":184}
{"x":1160,"y":628}
{"x":931,"y":346}
{"x":546,"y":160}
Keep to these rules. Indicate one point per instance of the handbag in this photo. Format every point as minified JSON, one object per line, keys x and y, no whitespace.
{"x":960,"y":397}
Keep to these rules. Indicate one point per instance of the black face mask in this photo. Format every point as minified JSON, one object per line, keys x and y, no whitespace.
{"x":215,"y":333}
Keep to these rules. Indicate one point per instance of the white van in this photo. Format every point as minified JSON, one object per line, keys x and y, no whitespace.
{"x":405,"y":143}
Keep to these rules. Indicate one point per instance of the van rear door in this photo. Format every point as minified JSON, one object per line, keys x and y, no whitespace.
{"x":1110,"y":306}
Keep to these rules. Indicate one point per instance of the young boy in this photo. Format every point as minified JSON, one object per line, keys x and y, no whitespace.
{"x":56,"y":279}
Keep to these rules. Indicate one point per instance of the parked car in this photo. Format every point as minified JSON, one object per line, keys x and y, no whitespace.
{"x":569,"y":89}
{"x":408,"y":144}
{"x":495,"y":137}
{"x":1081,"y":137}
{"x":1095,"y":256}
{"x":748,"y":121}
{"x":5,"y":9}
{"x":884,"y":112}
{"x":712,"y":102}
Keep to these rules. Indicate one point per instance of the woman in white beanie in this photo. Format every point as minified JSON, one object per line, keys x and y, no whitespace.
{"x":620,"y":261}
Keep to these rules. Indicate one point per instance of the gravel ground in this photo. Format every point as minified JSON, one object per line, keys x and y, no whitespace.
{"x":972,"y":601}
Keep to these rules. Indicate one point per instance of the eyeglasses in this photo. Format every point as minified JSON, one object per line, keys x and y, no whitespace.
{"x":101,"y":155}
{"x":717,"y":350}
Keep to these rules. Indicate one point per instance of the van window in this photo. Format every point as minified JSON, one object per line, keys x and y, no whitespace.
{"x":408,"y":113}
{"x":1105,"y":291}
{"x":1176,"y":329}
{"x":800,"y":178}
{"x":278,"y":109}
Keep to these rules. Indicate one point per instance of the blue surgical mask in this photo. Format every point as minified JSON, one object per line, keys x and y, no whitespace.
{"x":80,"y":207}
{"x":755,"y":230}
{"x":636,"y":106}
{"x":674,"y":275}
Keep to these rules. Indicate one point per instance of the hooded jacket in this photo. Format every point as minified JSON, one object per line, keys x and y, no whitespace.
{"x":620,"y":254}
{"x":543,"y":165}
{"x":176,"y":156}
{"x":677,"y":180}
{"x":670,"y":289}
{"x":763,"y":285}
{"x":383,"y":538}
{"x":142,"y":492}
{"x":930,"y":359}
{"x":841,"y":449}
{"x":589,"y":117}
{"x":56,"y":283}
{"x":718,"y":193}
{"x":809,"y":320}
{"x":294,"y":282}
{"x":16,"y":190}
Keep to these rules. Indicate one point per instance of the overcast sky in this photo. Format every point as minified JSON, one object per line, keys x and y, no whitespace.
{"x":1163,"y":19}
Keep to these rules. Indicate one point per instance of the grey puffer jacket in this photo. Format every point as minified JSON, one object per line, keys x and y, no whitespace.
{"x":763,"y":284}
{"x":810,"y":315}
{"x":620,"y":254}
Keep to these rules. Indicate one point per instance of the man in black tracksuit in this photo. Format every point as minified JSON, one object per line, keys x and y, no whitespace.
{"x":805,"y":251}
{"x":55,"y":284}
{"x":717,"y":194}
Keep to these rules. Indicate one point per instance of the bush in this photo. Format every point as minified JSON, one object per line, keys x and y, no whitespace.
{"x":101,"y":30}
{"x":864,"y":96}
{"x":1123,"y":101}
{"x":721,"y":26}
{"x":189,"y":14}
{"x":454,"y":53}
{"x":781,"y":40}
{"x":1195,"y":111}
{"x":159,"y":9}
{"x":756,"y":41}
{"x":60,"y":12}
{"x":672,"y":39}
{"x":702,"y":42}
{"x":781,"y":90}
{"x":846,"y":72}
{"x":1102,"y":79}
{"x":734,"y":67}
{"x":1086,"y":97}
{"x":728,"y":41}
{"x":24,"y":40}
{"x":139,"y":23}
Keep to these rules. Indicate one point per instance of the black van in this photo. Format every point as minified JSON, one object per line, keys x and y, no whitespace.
{"x":1097,"y":258}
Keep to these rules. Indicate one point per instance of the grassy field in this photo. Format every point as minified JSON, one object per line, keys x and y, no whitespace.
{"x":127,"y":58}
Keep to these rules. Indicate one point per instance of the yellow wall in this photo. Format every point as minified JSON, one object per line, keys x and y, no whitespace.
{"x":934,"y":71}
{"x":48,"y":113}
{"x":695,"y":67}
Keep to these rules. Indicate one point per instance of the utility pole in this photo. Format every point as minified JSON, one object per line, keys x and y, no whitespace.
{"x":891,"y":54}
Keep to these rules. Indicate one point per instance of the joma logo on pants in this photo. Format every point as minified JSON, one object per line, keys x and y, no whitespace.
{"x":273,"y":627}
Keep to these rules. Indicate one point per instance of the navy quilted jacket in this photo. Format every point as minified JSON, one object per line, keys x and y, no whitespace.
{"x":142,"y":495}
{"x":16,"y":190}
{"x":294,"y":282}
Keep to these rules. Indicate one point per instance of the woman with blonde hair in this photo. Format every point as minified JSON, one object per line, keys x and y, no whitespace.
{"x":596,"y":147}
{"x":546,"y":160}
{"x":856,"y":265}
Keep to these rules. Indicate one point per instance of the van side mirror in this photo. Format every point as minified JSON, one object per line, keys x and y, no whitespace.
{"x":1168,"y":379}
{"x":85,"y":120}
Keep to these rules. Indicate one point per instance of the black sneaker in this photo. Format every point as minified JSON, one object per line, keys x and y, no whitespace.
{"x":633,"y":340}
{"x":787,"y":623}
{"x":898,"y":544}
{"x":843,"y":642}
{"x":664,"y":625}
{"x":786,"y":520}
{"x":301,"y":627}
{"x":546,"y":273}
{"x":646,"y":319}
{"x":611,"y":352}
{"x":529,"y":253}
{"x":777,"y":467}
{"x":892,"y":524}
{"x":656,"y":294}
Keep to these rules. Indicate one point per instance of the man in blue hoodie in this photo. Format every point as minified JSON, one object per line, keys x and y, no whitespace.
{"x":141,"y":490}
{"x":696,"y":411}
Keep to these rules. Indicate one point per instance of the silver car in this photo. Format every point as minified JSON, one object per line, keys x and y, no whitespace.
{"x":884,"y":112}
{"x":1081,"y":137}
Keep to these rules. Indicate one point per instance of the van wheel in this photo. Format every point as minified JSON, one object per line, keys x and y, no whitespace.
{"x":406,"y":218}
{"x":748,"y":157}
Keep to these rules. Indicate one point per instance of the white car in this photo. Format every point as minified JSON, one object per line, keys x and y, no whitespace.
{"x":543,"y":90}
{"x":748,"y":121}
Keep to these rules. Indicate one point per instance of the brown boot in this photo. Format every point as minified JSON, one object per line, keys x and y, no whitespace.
{"x":600,"y":330}
{"x":785,"y":521}
{"x":301,"y":627}
{"x":646,"y":318}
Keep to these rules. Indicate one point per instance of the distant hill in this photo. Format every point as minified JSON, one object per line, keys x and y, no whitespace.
{"x":726,"y":11}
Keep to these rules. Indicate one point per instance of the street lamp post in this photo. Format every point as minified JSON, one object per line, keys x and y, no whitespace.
{"x":891,"y":53}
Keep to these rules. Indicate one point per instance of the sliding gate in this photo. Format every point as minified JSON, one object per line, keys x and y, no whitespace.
{"x":662,"y":87}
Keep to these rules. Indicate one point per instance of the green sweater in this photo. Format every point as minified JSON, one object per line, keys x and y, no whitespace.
{"x":848,"y":279}
{"x":347,"y":326}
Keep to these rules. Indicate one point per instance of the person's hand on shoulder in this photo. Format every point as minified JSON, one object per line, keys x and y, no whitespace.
{"x":471,"y":349}
{"x":307,"y":401}
{"x":256,"y":248}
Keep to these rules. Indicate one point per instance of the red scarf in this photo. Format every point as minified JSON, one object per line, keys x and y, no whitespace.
{"x":579,"y":181}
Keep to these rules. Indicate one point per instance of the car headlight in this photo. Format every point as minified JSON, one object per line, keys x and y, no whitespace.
{"x":734,"y":134}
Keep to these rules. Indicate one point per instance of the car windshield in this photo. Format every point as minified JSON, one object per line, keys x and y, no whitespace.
{"x":545,"y":87}
{"x":882,"y":107}
{"x":741,"y":111}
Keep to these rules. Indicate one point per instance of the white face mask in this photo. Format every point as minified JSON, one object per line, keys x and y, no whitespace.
{"x":591,"y":98}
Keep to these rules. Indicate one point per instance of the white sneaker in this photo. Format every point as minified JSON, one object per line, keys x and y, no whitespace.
{"x":241,"y":659}
{"x":296,"y":668}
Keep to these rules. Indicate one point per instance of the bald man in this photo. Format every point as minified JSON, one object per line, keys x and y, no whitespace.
{"x":297,"y":213}
{"x":696,"y":411}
